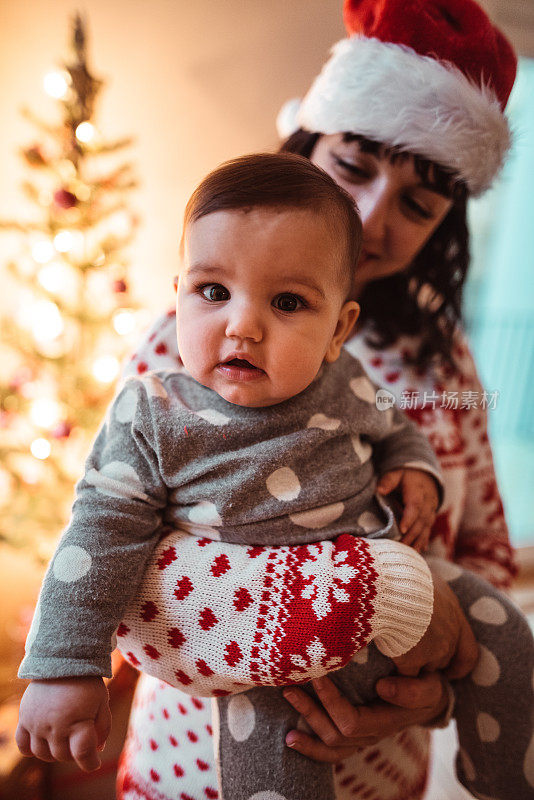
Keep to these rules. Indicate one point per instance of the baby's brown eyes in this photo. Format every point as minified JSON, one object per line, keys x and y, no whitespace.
{"x":288,"y":302}
{"x":215,"y":292}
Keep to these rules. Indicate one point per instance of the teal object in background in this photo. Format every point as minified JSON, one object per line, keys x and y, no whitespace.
{"x":499,"y":310}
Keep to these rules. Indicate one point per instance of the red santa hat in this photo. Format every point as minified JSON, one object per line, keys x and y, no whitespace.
{"x":431,"y":77}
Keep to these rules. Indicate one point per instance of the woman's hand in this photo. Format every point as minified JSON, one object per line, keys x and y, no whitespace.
{"x":342,"y":728}
{"x":448,"y":644}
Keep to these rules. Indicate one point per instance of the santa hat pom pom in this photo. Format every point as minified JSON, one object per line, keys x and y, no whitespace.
{"x":286,"y":121}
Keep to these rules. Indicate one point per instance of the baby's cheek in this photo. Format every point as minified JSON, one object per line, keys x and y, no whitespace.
{"x":193,"y":350}
{"x":300,"y":369}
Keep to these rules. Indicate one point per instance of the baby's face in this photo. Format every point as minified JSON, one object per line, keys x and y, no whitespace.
{"x":259,"y":304}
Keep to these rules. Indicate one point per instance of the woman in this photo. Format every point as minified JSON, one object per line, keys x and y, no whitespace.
{"x":410,"y":138}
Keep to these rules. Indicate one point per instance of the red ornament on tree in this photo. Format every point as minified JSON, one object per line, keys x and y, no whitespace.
{"x":62,"y":430}
{"x":119,"y":286}
{"x":65,"y":199}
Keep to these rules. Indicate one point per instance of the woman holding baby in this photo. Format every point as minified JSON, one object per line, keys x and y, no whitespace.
{"x":408,"y":117}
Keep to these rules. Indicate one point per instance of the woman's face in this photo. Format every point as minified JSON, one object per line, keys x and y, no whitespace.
{"x":399,"y":213}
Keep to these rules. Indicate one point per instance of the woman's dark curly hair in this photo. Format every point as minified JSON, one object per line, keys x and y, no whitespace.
{"x":426,"y":298}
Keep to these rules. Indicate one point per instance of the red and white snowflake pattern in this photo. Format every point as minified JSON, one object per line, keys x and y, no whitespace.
{"x":264,"y":615}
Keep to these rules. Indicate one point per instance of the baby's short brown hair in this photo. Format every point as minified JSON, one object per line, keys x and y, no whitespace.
{"x":280,"y":180}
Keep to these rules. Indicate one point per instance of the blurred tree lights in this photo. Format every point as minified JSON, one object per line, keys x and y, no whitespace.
{"x":70,"y":317}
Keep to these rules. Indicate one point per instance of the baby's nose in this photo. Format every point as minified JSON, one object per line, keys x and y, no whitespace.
{"x":244,"y":322}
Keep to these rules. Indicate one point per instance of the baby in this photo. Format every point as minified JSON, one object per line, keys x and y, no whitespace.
{"x":270,"y":435}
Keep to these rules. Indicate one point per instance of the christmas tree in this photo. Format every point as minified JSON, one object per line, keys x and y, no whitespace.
{"x":72,"y":315}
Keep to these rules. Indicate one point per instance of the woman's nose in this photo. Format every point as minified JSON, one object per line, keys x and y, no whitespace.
{"x":244,"y":322}
{"x":374,"y":207}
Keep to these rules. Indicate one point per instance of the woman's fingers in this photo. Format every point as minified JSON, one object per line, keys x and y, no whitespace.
{"x":315,"y":716}
{"x":411,"y":701}
{"x":343,"y":714}
{"x":380,"y":719}
{"x":317,"y":750}
{"x":424,"y":692}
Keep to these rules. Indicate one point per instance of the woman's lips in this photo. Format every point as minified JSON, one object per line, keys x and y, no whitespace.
{"x":239,"y":369}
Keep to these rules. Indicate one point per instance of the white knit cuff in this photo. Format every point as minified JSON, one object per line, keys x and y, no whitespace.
{"x":404,"y":599}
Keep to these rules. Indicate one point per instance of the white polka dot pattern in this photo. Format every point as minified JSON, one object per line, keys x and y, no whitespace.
{"x":488,"y":728}
{"x":117,"y":479}
{"x":205,"y":513}
{"x":369,"y":522}
{"x":489,"y":610}
{"x":283,"y":484}
{"x":323,"y":422}
{"x":487,"y":670}
{"x":154,"y":387}
{"x":241,"y":717}
{"x":213,"y":416}
{"x":200,"y":530}
{"x":267,"y":796}
{"x":362,"y":449}
{"x":363,"y":389}
{"x":445,"y":569}
{"x":71,"y":563}
{"x":126,"y":406}
{"x":318,"y":517}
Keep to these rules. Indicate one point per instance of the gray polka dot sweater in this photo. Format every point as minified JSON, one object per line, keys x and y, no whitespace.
{"x":173,"y":453}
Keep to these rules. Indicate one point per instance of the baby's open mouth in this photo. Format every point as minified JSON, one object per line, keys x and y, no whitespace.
{"x":241,"y":369}
{"x":241,"y":363}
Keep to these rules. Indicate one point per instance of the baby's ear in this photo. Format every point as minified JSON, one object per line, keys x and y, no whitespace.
{"x":348,"y":315}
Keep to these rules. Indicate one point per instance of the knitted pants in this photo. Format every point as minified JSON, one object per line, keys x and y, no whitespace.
{"x":494,"y":712}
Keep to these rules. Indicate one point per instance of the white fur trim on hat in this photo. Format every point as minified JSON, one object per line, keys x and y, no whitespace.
{"x":389,"y":93}
{"x":286,"y":121}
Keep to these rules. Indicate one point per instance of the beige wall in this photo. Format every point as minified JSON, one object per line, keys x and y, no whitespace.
{"x":196,"y":81}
